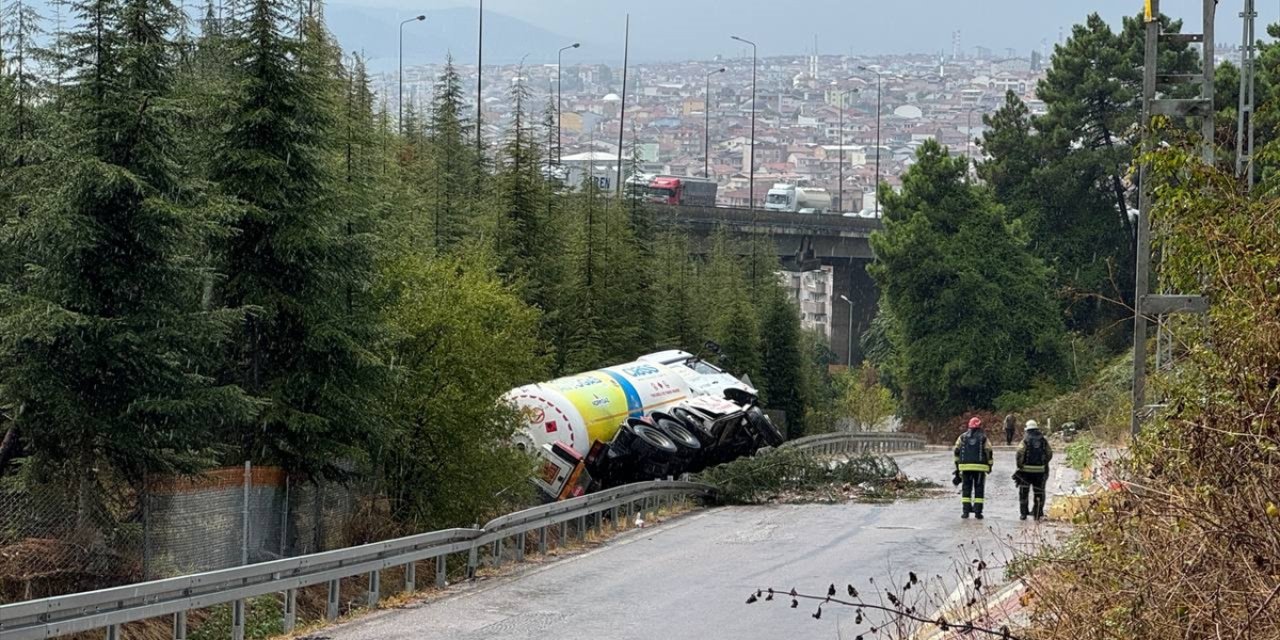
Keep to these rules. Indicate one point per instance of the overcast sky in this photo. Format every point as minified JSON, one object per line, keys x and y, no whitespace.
{"x":686,"y":29}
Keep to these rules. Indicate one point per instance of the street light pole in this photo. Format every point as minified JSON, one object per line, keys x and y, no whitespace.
{"x":706,"y":125}
{"x":559,"y":96}
{"x":479,"y":84}
{"x":752,"y":180}
{"x":968,"y":140}
{"x":877,"y":72}
{"x":400,"y":99}
{"x":848,"y":353}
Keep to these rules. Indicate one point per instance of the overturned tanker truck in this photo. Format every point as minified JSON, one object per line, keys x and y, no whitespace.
{"x":665,"y":414}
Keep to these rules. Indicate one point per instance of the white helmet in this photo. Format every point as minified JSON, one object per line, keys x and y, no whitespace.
{"x":1032,"y":425}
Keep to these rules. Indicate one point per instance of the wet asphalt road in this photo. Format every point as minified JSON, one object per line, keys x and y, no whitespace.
{"x":688,"y":578}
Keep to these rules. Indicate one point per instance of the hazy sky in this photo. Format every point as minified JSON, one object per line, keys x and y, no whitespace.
{"x":682,"y":29}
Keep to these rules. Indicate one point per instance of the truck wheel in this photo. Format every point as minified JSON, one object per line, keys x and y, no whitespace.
{"x":689,"y":448}
{"x":653,"y":450}
{"x":690,"y":422}
{"x":763,"y":427}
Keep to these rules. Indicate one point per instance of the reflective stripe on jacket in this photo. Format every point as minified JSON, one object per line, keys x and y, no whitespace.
{"x":973,"y":452}
{"x":1034,"y":459}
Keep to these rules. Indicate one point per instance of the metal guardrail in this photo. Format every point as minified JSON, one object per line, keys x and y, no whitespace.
{"x":108,"y":609}
{"x":857,"y":442}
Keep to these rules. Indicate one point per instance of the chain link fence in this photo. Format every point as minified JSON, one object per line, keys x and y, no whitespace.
{"x":59,"y":539}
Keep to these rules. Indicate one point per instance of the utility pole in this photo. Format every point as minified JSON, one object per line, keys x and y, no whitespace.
{"x":1158,"y":306}
{"x":878,"y":78}
{"x":479,"y":85}
{"x":1244,"y":123}
{"x":752,"y":179}
{"x":400,"y":98}
{"x":622,"y":112}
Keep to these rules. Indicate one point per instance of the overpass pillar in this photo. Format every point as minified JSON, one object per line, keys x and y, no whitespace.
{"x":852,"y":281}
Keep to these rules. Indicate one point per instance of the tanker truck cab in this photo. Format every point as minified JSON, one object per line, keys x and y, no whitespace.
{"x":703,"y":378}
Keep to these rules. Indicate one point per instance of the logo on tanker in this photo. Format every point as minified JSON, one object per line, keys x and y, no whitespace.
{"x":597,"y":401}
{"x":661,"y":388}
{"x":577,"y":383}
{"x":640,"y":371}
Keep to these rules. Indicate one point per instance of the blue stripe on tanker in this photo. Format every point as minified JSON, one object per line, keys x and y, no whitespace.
{"x":635,"y":408}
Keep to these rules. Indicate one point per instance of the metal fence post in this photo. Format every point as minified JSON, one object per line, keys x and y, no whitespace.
{"x":290,"y":609}
{"x":180,"y":626}
{"x":237,"y":620}
{"x":284,"y":522}
{"x":473,"y":560}
{"x":410,"y":577}
{"x":542,"y":541}
{"x":113,"y":632}
{"x":521,"y":541}
{"x":244,"y":514}
{"x":442,"y":568}
{"x":497,"y":552}
{"x":331,"y":610}
{"x":375,"y":589}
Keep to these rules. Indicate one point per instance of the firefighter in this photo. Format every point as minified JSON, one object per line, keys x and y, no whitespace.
{"x":1034,"y":455}
{"x":973,"y":462}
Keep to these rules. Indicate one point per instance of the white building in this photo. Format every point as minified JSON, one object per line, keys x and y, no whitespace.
{"x":812,"y":292}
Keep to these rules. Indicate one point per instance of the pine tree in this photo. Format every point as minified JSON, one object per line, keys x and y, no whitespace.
{"x":966,"y":327}
{"x":103,"y":343}
{"x":455,"y":177}
{"x":782,"y":375}
{"x":304,"y":350}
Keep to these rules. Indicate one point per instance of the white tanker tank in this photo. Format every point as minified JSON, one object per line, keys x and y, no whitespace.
{"x":612,"y":423}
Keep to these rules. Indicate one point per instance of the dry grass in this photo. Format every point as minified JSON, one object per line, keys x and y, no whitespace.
{"x":1190,"y":547}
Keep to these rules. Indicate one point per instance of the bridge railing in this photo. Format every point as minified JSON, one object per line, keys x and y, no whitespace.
{"x":109,"y":609}
{"x":845,"y":442}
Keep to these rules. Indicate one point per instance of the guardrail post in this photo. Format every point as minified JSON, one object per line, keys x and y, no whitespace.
{"x":473,"y":561}
{"x":582,"y":528}
{"x":331,"y":610}
{"x":442,"y":567}
{"x":410,"y":577}
{"x":497,"y":552}
{"x":113,"y":632}
{"x":564,"y":534}
{"x":290,"y":609}
{"x":180,"y":626}
{"x":521,"y":541}
{"x":237,"y":620}
{"x":375,"y":589}
{"x":613,"y":518}
{"x":542,"y":541}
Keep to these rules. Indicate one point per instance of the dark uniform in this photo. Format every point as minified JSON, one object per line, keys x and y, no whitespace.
{"x":973,"y":461}
{"x":1034,"y":455}
{"x":1009,"y":428}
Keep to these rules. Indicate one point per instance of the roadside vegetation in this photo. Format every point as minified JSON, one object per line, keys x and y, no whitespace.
{"x":1190,"y":546}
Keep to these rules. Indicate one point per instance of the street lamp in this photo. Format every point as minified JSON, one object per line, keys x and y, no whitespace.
{"x":400,"y":105}
{"x":848,"y":353}
{"x":877,"y":72}
{"x":968,"y":139}
{"x":559,"y":95}
{"x":752,"y":180}
{"x":706,"y":126}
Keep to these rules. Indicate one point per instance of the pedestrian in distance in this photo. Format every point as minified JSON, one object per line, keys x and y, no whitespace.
{"x":1008,"y":430}
{"x":1034,"y":455}
{"x":973,"y":458}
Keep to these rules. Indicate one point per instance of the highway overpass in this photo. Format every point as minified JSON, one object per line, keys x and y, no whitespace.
{"x":803,"y":242}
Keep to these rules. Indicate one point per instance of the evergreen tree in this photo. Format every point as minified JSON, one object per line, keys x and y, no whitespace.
{"x":782,"y":379}
{"x":972,"y":316}
{"x":304,"y":350}
{"x":101,"y":340}
{"x":454,"y":179}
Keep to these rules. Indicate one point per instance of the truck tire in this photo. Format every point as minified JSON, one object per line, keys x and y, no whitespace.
{"x":653,"y":450}
{"x":765,"y":430}
{"x":689,"y":448}
{"x":690,"y":422}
